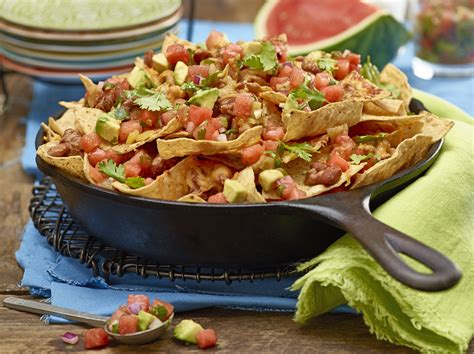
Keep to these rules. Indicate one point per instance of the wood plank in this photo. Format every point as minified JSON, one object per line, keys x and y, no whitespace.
{"x":15,"y":185}
{"x":250,"y":332}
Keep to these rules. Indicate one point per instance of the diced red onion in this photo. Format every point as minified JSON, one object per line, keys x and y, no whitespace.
{"x":190,"y":126}
{"x":134,"y":308}
{"x":197,"y":79}
{"x":288,"y":63}
{"x":70,"y":338}
{"x":221,"y":137}
{"x":221,"y":130}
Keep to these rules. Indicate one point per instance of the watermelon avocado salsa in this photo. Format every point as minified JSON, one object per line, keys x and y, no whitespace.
{"x":240,"y":123}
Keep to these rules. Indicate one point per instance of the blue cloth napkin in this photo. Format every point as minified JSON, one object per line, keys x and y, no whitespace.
{"x":69,"y":283}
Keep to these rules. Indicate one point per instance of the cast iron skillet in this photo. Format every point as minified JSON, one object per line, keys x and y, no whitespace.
{"x":253,"y":235}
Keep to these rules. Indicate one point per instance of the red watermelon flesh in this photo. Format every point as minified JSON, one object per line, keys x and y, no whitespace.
{"x":306,"y":21}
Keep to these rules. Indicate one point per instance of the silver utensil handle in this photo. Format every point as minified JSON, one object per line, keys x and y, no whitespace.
{"x":47,"y":309}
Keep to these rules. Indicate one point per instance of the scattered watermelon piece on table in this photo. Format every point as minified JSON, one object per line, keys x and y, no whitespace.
{"x":330,"y":25}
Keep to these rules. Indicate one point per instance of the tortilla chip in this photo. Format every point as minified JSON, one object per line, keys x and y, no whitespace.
{"x":300,"y":124}
{"x":93,"y":90}
{"x":86,"y":118}
{"x":180,"y":134}
{"x":72,"y":165}
{"x":385,"y":107}
{"x":298,"y":169}
{"x":435,"y":127}
{"x":246,"y":177}
{"x":72,"y":104}
{"x":191,"y":198}
{"x":408,"y":152}
{"x":185,"y":146}
{"x":170,"y":39}
{"x":147,"y":136}
{"x":358,"y":88}
{"x":392,"y":75}
{"x":107,"y":183}
{"x":189,"y":176}
{"x":50,"y":134}
{"x":66,"y":121}
{"x":273,"y":97}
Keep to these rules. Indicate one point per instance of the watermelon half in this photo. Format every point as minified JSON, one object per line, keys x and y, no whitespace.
{"x":333,"y":25}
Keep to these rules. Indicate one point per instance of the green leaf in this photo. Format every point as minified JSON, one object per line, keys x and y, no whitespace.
{"x":190,"y":86}
{"x":118,"y":173}
{"x":312,"y":97}
{"x":112,"y":170}
{"x":357,"y":159}
{"x":149,"y":99}
{"x":108,"y":86}
{"x":231,"y":131}
{"x":201,"y":133}
{"x":303,"y":151}
{"x":372,"y":73}
{"x":159,"y":311}
{"x":253,"y":62}
{"x":266,"y":60}
{"x":366,"y":138}
{"x":268,"y":56}
{"x":155,"y":102}
{"x":326,"y":64}
{"x":135,"y":182}
{"x":210,"y":80}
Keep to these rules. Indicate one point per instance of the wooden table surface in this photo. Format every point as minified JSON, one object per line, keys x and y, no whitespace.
{"x":238,"y":331}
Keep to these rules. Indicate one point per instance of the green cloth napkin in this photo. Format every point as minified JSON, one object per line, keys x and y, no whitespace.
{"x":437,"y":209}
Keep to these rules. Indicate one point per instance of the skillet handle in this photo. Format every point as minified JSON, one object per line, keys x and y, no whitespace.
{"x":385,"y":244}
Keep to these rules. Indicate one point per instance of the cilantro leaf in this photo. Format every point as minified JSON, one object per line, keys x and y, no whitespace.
{"x":118,"y":173}
{"x":365,"y":138}
{"x":149,"y":99}
{"x":357,"y":159}
{"x":370,"y":72}
{"x":266,"y":60}
{"x":268,"y":56}
{"x":155,"y":102}
{"x":313,"y":97}
{"x":190,"y":86}
{"x":135,"y":182}
{"x":253,"y":62}
{"x":210,"y":80}
{"x":303,"y":151}
{"x":112,"y":170}
{"x":326,"y":64}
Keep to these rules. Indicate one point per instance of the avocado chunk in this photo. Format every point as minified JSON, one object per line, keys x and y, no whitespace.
{"x":138,"y":78}
{"x":108,"y":129}
{"x":144,"y":320}
{"x":180,"y":73}
{"x":234,"y":192}
{"x":187,"y":330}
{"x":268,"y":177}
{"x":253,"y":47}
{"x":205,"y":98}
{"x":160,"y":62}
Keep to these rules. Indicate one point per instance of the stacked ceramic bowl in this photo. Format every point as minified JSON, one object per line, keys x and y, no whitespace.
{"x":57,"y":39}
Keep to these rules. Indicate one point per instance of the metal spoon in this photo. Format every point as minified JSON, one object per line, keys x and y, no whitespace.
{"x":94,"y":320}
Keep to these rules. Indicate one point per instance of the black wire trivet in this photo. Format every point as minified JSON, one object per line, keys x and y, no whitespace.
{"x":68,"y":238}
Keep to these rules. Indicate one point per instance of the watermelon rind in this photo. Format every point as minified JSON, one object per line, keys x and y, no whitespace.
{"x":379,"y":36}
